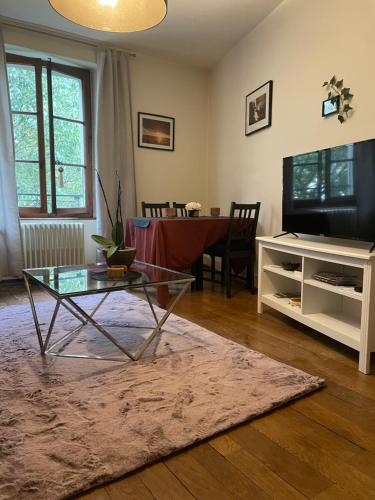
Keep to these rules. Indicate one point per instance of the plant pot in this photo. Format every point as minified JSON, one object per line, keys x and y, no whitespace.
{"x":193,"y":213}
{"x":121,"y":257}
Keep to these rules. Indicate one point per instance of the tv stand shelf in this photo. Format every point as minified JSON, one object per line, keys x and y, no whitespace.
{"x":336,"y":311}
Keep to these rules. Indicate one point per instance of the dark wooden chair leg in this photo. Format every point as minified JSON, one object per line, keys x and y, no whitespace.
{"x":198,"y":273}
{"x":252,"y":286}
{"x":213,"y":269}
{"x":227,"y":278}
{"x":250,"y":277}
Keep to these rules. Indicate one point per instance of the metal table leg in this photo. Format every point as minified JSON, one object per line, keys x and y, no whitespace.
{"x":87,"y":318}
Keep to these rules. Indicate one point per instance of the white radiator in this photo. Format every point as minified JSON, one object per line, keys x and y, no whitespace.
{"x":53,"y":244}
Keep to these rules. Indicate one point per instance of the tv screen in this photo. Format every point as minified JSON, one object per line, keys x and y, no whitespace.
{"x":331,"y":192}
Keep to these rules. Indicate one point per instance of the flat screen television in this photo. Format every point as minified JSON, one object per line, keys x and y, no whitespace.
{"x":331,"y":192}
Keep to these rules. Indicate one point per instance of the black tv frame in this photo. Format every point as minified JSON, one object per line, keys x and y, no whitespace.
{"x":369,"y":142}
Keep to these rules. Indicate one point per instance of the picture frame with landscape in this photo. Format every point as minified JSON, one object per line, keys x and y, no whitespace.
{"x":156,"y":132}
{"x":259,"y":108}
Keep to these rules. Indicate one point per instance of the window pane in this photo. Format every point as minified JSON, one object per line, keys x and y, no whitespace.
{"x":342,"y":152}
{"x":69,"y":142}
{"x":26,"y":137}
{"x":341,"y":179}
{"x":306,"y":158}
{"x":67,"y":96}
{"x":28,"y":187}
{"x":305,"y":182}
{"x":22,"y":87}
{"x":72,"y":195}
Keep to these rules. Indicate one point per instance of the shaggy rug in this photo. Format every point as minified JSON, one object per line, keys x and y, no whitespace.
{"x":67,"y":425}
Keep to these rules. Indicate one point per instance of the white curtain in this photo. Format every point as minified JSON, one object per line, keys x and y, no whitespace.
{"x":11,"y":260}
{"x":114,"y":135}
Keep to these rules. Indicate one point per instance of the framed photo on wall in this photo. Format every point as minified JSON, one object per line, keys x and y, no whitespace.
{"x":156,"y":132}
{"x":259,"y":109}
{"x":331,"y":106}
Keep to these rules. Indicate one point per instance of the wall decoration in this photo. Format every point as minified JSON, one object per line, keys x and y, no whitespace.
{"x":337,"y":93}
{"x":259,"y":109}
{"x":331,"y":106}
{"x":156,"y":132}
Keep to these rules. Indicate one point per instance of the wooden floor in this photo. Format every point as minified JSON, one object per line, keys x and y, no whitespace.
{"x":321,"y":447}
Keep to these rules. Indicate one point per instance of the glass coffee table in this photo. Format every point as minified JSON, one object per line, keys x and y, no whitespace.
{"x":66,"y":283}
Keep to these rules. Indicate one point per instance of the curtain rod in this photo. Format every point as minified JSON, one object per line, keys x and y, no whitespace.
{"x":36,"y":28}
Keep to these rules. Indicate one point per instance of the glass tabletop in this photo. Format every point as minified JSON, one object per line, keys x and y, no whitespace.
{"x":69,"y":281}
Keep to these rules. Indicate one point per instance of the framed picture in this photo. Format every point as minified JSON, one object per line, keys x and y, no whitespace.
{"x":156,"y":132}
{"x":331,"y":106}
{"x":259,"y":109}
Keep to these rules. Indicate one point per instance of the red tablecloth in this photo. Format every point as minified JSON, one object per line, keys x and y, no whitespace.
{"x":175,"y":243}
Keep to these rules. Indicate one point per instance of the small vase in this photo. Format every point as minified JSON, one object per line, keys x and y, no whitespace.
{"x":193,"y":213}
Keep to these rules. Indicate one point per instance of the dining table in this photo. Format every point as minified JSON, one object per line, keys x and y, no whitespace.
{"x":176,"y":243}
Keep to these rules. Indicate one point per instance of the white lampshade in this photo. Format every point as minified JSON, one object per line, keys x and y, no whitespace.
{"x":112,"y":15}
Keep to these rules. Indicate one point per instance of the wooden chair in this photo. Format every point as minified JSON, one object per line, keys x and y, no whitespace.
{"x":155,"y":209}
{"x":181,"y":210}
{"x":239,"y":244}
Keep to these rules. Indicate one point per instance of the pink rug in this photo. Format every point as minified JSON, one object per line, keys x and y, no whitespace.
{"x":67,"y":425}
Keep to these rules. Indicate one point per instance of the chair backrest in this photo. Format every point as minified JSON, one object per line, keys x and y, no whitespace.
{"x":244,"y":221}
{"x":181,"y":210}
{"x":155,"y":209}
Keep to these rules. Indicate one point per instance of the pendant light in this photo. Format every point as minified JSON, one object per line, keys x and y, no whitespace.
{"x":112,"y":15}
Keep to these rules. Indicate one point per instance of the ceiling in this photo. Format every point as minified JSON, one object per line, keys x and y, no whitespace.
{"x":196,"y":31}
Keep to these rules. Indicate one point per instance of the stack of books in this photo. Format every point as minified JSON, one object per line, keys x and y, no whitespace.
{"x":336,"y":279}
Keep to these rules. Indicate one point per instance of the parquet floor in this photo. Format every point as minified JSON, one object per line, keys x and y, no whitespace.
{"x":320,"y":447}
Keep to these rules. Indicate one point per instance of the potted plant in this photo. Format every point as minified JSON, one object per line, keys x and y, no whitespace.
{"x":115,"y":251}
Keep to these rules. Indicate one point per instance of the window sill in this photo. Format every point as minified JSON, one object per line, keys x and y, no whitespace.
{"x":57,"y":219}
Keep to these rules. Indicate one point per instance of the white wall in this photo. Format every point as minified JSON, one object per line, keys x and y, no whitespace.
{"x":180,"y":91}
{"x":298,"y":46}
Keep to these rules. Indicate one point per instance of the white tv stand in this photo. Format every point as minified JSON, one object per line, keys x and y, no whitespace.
{"x":338,"y":312}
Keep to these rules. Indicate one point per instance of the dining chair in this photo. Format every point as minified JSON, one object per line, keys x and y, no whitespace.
{"x":155,"y":209}
{"x":181,"y":210}
{"x":238,"y":245}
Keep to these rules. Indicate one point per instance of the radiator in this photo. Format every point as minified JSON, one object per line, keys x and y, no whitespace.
{"x":53,"y":244}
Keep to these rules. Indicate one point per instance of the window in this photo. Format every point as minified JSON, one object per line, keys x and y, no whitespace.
{"x":341,"y":174}
{"x":325,"y":176}
{"x":51,"y":111}
{"x":306,"y":176}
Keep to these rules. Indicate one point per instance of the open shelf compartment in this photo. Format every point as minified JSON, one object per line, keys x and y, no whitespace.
{"x":273,"y":261}
{"x":312,"y":266}
{"x":339,"y":316}
{"x":336,"y":311}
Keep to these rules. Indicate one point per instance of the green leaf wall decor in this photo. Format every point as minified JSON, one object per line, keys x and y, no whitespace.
{"x":334,"y":88}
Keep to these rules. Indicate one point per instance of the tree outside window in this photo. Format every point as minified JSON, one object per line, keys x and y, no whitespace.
{"x":51,"y":115}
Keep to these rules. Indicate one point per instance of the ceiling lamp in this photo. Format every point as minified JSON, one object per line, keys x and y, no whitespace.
{"x":112,"y":15}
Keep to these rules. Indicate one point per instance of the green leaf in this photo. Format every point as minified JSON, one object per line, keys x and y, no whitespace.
{"x":341,"y":119}
{"x":345,"y":91}
{"x":101,"y":240}
{"x":118,"y":233}
{"x":329,"y":95}
{"x":325,"y":84}
{"x":333,"y":80}
{"x":349,"y":96}
{"x":339,"y":84}
{"x":347,"y":108}
{"x":111,"y":251}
